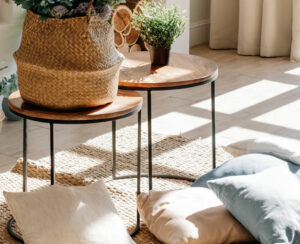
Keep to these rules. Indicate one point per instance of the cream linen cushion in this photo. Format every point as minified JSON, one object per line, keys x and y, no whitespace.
{"x":192,"y":215}
{"x":68,"y":215}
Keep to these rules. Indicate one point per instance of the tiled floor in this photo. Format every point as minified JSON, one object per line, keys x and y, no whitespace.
{"x":255,"y":97}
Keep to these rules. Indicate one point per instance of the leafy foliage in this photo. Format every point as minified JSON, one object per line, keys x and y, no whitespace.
{"x":8,"y":85}
{"x":65,"y":8}
{"x":158,"y":25}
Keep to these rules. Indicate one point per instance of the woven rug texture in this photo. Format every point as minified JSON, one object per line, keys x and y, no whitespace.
{"x":92,"y":160}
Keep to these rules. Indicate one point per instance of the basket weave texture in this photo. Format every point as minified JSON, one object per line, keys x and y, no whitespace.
{"x":68,"y":63}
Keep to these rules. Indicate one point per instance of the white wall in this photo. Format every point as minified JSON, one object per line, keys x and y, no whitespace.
{"x":199,"y":21}
{"x":182,"y":44}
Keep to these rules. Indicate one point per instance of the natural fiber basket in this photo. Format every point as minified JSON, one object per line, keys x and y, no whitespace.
{"x":68,"y":63}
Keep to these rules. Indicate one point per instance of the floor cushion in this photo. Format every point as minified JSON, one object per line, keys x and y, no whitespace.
{"x":68,"y":215}
{"x":246,"y":165}
{"x":190,"y":216}
{"x":266,"y":203}
{"x":282,"y":148}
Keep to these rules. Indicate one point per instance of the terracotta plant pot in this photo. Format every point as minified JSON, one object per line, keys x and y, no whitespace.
{"x":160,"y":56}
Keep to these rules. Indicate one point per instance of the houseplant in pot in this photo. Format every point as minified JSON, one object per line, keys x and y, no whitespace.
{"x":67,"y":58}
{"x":8,"y":86}
{"x":158,"y":26}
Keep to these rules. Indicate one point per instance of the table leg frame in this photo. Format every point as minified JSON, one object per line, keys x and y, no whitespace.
{"x":52,"y":155}
{"x":213,"y":122}
{"x":12,"y":221}
{"x":150,"y":174}
{"x":138,"y":175}
{"x":213,"y":118}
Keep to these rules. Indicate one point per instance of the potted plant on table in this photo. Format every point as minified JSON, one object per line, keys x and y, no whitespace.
{"x":7,"y":87}
{"x":158,"y":26}
{"x":67,"y":58}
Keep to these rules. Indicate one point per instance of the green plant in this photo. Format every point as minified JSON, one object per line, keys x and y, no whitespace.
{"x":68,"y":8}
{"x":158,"y":25}
{"x":8,"y":85}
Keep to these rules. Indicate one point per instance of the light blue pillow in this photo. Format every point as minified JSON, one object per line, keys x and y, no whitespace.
{"x":266,"y":203}
{"x":247,"y":164}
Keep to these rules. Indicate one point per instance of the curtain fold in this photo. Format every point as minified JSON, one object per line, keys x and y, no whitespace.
{"x":250,"y":19}
{"x":295,"y":54}
{"x":224,"y":15}
{"x":256,"y":27}
{"x":11,"y":25}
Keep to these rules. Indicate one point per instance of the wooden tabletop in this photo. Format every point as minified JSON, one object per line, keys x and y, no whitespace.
{"x":126,"y":103}
{"x":183,"y":70}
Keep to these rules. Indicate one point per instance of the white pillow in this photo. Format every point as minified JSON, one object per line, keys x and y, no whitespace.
{"x":68,"y":215}
{"x":282,"y":148}
{"x":192,"y":215}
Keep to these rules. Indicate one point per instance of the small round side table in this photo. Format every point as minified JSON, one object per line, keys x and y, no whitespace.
{"x":184,"y":71}
{"x":126,"y":104}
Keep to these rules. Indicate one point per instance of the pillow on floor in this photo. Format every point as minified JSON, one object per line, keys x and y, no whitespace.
{"x":68,"y":215}
{"x":266,"y":203}
{"x":192,"y":215}
{"x":282,"y":148}
{"x":246,"y":165}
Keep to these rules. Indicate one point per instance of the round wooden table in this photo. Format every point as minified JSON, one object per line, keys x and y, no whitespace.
{"x":184,"y":71}
{"x":126,"y":104}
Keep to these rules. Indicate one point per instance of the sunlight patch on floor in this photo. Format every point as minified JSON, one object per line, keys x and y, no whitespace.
{"x":235,"y":134}
{"x":285,"y":116}
{"x":246,"y":96}
{"x":175,"y":123}
{"x":295,"y":71}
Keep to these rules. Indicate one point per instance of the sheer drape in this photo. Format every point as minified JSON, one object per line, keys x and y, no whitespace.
{"x":256,"y":27}
{"x":11,"y":23}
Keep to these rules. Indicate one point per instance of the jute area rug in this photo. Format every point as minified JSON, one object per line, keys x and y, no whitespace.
{"x":92,"y":161}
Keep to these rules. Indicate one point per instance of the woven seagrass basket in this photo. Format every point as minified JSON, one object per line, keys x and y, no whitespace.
{"x":68,"y":63}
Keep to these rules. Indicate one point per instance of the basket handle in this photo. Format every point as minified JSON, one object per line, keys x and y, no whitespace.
{"x":89,"y":10}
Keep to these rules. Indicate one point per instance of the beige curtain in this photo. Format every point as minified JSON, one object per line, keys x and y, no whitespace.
{"x":11,"y":24}
{"x":256,"y":27}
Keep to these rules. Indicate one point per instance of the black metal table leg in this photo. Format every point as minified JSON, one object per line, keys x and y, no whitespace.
{"x":114,"y":149}
{"x":213,"y":118}
{"x":149,"y":106}
{"x":52,"y":156}
{"x":138,"y":175}
{"x":138,"y":220}
{"x":139,"y":153}
{"x":24,"y":155}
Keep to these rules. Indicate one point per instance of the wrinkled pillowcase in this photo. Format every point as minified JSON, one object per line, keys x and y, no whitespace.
{"x":192,"y":215}
{"x":68,"y":215}
{"x":282,"y":148}
{"x":266,"y":203}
